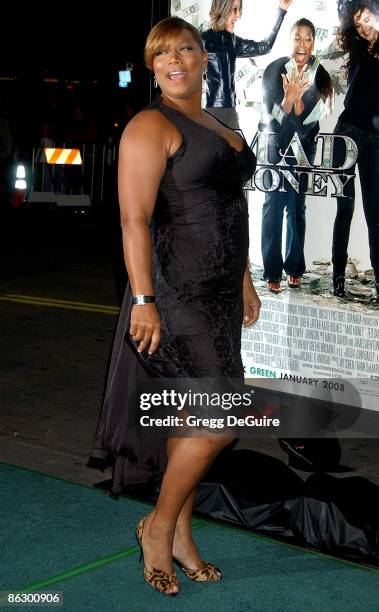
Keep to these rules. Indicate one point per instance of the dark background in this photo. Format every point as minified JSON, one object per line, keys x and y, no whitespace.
{"x":81,"y":44}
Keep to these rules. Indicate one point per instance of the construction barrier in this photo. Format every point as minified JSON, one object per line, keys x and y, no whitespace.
{"x":77,"y":176}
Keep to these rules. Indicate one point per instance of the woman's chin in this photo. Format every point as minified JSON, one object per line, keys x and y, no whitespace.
{"x":300,"y":65}
{"x":301,"y":60}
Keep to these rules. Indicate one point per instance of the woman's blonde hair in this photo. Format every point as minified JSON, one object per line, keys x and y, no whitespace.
{"x":219,"y":13}
{"x":163,"y":32}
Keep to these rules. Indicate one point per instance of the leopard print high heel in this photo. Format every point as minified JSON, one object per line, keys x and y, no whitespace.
{"x":156,"y":578}
{"x":208,"y":573}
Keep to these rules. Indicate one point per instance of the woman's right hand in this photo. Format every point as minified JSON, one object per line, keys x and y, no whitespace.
{"x":145,"y":327}
{"x":294,"y":88}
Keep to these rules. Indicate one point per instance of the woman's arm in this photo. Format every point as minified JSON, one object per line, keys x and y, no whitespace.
{"x":252,"y":48}
{"x":143,"y":153}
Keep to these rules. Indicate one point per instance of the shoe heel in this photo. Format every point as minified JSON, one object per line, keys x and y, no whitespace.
{"x":140,"y":550}
{"x":156,"y":578}
{"x":138,"y":538}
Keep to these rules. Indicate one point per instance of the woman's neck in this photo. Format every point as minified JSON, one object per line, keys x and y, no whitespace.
{"x":187,"y":106}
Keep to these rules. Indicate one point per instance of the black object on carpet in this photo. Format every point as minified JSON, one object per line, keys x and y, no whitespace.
{"x":253,"y":490}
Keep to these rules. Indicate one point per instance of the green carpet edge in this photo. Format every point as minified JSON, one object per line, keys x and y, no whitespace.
{"x":75,"y":571}
{"x":80,"y":569}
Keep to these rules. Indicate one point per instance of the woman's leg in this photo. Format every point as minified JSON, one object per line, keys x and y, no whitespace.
{"x":294,"y":263}
{"x":271,"y":235}
{"x":344,"y":212}
{"x":368,"y":163}
{"x":188,"y":459}
{"x":184,"y":548}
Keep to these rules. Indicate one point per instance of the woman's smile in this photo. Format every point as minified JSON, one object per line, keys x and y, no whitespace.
{"x":178,"y":66}
{"x":366,"y":25}
{"x":177,"y":75}
{"x":302,"y":44}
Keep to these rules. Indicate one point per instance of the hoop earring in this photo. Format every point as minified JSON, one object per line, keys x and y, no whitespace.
{"x":204,"y":75}
{"x":155,"y":82}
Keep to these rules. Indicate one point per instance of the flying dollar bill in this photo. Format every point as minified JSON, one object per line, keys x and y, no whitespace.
{"x":176,"y":5}
{"x":190,"y":10}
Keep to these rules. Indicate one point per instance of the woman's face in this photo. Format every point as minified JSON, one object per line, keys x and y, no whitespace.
{"x":366,"y":25}
{"x":178,"y":66}
{"x":234,"y":14}
{"x":302,"y":42}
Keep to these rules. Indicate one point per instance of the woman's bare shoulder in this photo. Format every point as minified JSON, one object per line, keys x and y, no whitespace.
{"x":147,"y":124}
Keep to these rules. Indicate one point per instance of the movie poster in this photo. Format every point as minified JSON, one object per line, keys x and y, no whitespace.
{"x":305,"y":193}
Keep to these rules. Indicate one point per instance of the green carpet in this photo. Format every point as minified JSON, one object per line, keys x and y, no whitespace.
{"x":59,"y":536}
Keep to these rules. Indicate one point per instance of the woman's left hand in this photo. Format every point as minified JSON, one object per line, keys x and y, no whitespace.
{"x":251,"y":304}
{"x":285,"y":4}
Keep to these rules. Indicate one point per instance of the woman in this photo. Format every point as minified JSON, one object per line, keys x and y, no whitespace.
{"x":296,"y":92}
{"x":358,"y":37}
{"x":185,"y":236}
{"x":223,"y":48}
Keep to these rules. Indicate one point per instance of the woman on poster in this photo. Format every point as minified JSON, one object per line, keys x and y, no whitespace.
{"x":358,"y":38}
{"x":184,"y":221}
{"x":223,"y":48}
{"x":297,"y":91}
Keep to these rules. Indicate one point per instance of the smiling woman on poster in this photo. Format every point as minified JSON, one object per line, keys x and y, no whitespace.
{"x":297,"y":91}
{"x":358,"y":38}
{"x":223,"y":48}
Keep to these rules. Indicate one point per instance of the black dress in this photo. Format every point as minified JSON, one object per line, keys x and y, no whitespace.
{"x":200,"y":250}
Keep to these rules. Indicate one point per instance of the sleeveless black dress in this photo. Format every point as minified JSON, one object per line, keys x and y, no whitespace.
{"x":200,"y":250}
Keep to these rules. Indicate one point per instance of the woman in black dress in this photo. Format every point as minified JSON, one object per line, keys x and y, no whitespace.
{"x":185,"y":236}
{"x":358,"y":38}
